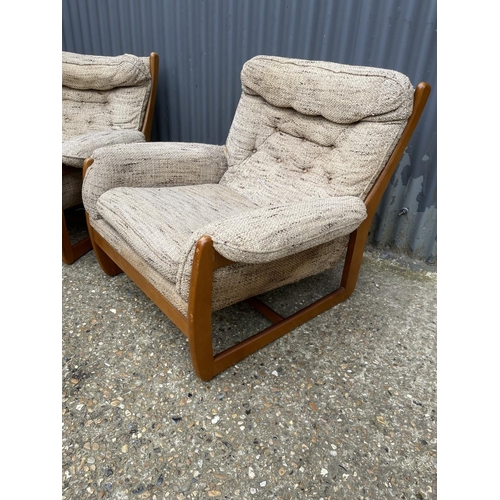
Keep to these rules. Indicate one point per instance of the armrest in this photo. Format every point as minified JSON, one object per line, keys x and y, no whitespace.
{"x":268,"y":234}
{"x":76,"y":149}
{"x":151,"y":165}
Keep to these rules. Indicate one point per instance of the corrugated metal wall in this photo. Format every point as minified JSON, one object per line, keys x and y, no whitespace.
{"x":203,"y":44}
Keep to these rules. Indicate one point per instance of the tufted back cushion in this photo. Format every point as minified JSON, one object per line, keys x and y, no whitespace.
{"x":310,"y":129}
{"x":101,"y":93}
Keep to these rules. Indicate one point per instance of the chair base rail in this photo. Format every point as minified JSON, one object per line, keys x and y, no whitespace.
{"x":233,"y":355}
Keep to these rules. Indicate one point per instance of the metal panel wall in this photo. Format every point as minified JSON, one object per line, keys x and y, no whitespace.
{"x":203,"y":44}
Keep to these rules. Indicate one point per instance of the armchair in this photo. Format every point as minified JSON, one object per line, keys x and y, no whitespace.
{"x":105,"y":100}
{"x":199,"y":227}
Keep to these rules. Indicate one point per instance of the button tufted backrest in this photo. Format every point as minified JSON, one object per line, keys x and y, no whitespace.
{"x":312,"y":129}
{"x":101,"y":93}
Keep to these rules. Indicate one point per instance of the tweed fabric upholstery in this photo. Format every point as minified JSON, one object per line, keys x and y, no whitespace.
{"x":100,"y":93}
{"x":338,"y":92}
{"x":241,"y":281}
{"x":151,"y":165}
{"x":77,"y":148}
{"x":164,"y":286}
{"x":71,"y":189}
{"x":104,"y":101}
{"x":307,"y":142}
{"x":157,"y":222}
{"x":302,"y":129}
{"x":231,"y":284}
{"x":84,"y":72}
{"x":268,"y":234}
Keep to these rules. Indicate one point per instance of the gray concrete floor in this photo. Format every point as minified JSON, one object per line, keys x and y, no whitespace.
{"x":342,"y":407}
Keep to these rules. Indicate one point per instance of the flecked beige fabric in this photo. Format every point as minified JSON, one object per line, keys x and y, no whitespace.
{"x":71,"y":189}
{"x":100,"y":93}
{"x":157,"y":222}
{"x":164,"y":286}
{"x":151,"y":165}
{"x":241,"y":281}
{"x":104,"y":100}
{"x":85,"y":111}
{"x":307,"y":142}
{"x":266,"y":234}
{"x":83,"y":71}
{"x":340,"y":93}
{"x":77,"y":149}
{"x":307,"y":129}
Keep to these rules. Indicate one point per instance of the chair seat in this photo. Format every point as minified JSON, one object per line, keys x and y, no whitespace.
{"x":77,"y":148}
{"x":158,"y":222}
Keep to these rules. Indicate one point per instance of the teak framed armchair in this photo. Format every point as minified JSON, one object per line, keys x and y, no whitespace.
{"x":199,"y":227}
{"x":105,"y":100}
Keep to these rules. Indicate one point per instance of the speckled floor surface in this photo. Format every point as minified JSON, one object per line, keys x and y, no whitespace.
{"x":342,"y":407}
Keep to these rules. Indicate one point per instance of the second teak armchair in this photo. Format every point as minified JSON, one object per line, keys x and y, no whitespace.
{"x":105,"y":100}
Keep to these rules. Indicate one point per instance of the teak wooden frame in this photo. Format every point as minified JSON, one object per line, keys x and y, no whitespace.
{"x":72,"y":252}
{"x":197,"y":326}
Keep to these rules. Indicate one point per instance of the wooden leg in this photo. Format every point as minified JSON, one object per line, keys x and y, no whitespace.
{"x":106,"y":263}
{"x":200,"y":309}
{"x":354,"y":256}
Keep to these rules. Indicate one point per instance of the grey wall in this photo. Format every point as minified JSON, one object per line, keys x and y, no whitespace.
{"x":203,"y":44}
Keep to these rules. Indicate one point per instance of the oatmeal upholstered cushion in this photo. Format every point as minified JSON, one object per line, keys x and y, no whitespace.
{"x":77,"y":148}
{"x":156,"y":229}
{"x":71,"y":189}
{"x":158,"y":222}
{"x":82,"y":71}
{"x":340,"y":93}
{"x":308,"y":129}
{"x":267,"y":234}
{"x":161,"y":224}
{"x":102,"y":93}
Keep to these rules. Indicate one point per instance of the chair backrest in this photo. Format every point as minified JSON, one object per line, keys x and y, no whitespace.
{"x":311,"y":129}
{"x":102,"y":93}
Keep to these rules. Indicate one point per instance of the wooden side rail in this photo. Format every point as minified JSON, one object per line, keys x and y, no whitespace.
{"x":154,"y":66}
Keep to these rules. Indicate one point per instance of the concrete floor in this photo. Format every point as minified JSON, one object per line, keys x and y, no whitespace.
{"x":342,"y":407}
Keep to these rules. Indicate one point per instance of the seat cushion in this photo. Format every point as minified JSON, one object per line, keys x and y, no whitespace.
{"x":158,"y":222}
{"x":76,"y":149}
